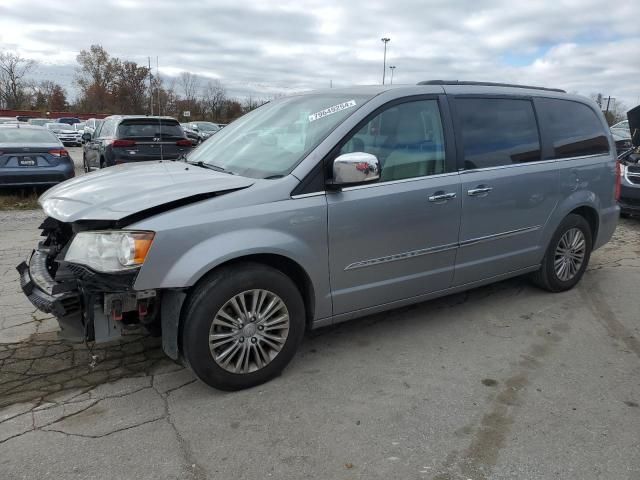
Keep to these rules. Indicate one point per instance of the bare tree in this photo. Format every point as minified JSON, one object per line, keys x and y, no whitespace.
{"x":213,"y":99}
{"x":164,"y":98}
{"x":190,"y":85}
{"x":13,"y":70}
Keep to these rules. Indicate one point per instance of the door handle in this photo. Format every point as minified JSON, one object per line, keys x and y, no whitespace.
{"x":474,"y":192}
{"x":437,"y":197}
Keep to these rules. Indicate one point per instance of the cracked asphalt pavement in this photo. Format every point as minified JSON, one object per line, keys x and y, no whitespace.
{"x":501,"y":382}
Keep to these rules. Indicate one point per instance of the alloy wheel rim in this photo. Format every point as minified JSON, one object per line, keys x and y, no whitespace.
{"x":249,"y":331}
{"x":569,"y":254}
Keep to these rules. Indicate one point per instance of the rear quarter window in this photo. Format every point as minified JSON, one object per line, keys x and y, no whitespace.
{"x":573,"y":129}
{"x":497,"y":131}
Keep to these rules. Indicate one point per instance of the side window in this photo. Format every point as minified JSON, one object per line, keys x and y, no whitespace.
{"x":497,"y":131}
{"x":96,"y":133}
{"x":108,"y":129}
{"x":573,"y":129}
{"x":406,"y":138}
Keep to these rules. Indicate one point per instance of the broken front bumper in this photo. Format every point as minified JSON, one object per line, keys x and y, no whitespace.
{"x":88,"y":305}
{"x":62,"y":299}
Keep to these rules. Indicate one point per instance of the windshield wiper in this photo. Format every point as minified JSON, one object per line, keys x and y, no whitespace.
{"x":210,"y":166}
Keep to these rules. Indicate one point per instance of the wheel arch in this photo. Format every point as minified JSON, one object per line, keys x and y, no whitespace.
{"x":284,"y":264}
{"x":590,"y":214}
{"x":172,"y":341}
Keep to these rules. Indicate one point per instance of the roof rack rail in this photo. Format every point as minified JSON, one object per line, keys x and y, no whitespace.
{"x":486,"y":84}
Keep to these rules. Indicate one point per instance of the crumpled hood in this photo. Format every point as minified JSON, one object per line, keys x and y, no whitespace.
{"x":117,"y":192}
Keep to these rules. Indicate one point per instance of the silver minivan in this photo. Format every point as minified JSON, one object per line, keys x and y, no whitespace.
{"x":325,"y":206}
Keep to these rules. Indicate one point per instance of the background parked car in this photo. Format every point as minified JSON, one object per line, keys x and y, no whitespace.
{"x":23,"y":118}
{"x":622,"y":138}
{"x":134,"y":138}
{"x":41,"y":122}
{"x":191,"y":134}
{"x":91,"y":125}
{"x":31,"y":155}
{"x":630,"y":167}
{"x":68,"y":120}
{"x":65,"y":133}
{"x":202,"y":130}
{"x":79,"y":128}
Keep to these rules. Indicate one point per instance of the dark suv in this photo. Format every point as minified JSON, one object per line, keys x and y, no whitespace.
{"x":133,"y":138}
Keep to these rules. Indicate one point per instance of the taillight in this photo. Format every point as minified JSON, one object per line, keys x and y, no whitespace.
{"x":619,"y":173}
{"x":59,"y":152}
{"x":183,"y":143}
{"x":123,"y":143}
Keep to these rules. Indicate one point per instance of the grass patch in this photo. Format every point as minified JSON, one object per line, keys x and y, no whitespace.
{"x":19,"y":200}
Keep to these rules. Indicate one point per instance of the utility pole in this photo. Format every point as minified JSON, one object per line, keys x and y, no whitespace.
{"x":150,"y":87}
{"x":608,"y":102}
{"x":384,"y":40}
{"x":392,"y":68}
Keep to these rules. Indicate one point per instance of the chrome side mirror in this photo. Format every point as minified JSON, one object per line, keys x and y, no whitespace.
{"x":354,"y":168}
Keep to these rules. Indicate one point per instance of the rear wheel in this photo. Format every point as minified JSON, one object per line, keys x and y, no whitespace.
{"x":102,"y":163}
{"x":243,"y":324}
{"x":567,"y":255}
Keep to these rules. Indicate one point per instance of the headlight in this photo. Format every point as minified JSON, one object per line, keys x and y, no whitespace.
{"x":112,"y":251}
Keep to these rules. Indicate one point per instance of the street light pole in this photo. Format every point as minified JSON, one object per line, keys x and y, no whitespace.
{"x":392,"y":68}
{"x":385,"y":40}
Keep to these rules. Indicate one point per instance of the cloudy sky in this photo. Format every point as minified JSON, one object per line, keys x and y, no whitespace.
{"x":267,"y":47}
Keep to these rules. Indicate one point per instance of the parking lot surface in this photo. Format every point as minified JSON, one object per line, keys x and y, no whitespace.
{"x":502,"y":382}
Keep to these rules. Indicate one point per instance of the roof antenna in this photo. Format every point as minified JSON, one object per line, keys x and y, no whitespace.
{"x":159,"y":113}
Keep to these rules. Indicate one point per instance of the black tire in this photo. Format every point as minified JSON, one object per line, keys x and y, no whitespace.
{"x":546,"y":276}
{"x":85,"y":166}
{"x":102,"y":163}
{"x":210,"y":295}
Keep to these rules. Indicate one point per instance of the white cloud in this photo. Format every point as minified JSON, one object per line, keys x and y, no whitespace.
{"x":283,"y":45}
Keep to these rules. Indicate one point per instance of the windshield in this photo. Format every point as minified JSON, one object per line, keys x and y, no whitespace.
{"x":270,"y":141}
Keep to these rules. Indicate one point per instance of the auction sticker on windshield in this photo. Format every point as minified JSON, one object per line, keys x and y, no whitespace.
{"x":332,"y":110}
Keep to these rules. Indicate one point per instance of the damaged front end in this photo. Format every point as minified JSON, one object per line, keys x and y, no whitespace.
{"x":88,"y":304}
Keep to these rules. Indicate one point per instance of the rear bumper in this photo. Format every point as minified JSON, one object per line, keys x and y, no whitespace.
{"x":25,"y":176}
{"x":608,"y":223}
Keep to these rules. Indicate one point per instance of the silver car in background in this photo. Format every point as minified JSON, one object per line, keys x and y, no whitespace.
{"x":66,"y":133}
{"x":326,"y":206}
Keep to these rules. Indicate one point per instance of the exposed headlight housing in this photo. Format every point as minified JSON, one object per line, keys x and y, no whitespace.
{"x":110,"y":251}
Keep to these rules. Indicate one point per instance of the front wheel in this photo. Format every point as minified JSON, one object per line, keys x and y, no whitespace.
{"x":567,"y":255}
{"x":243,"y":324}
